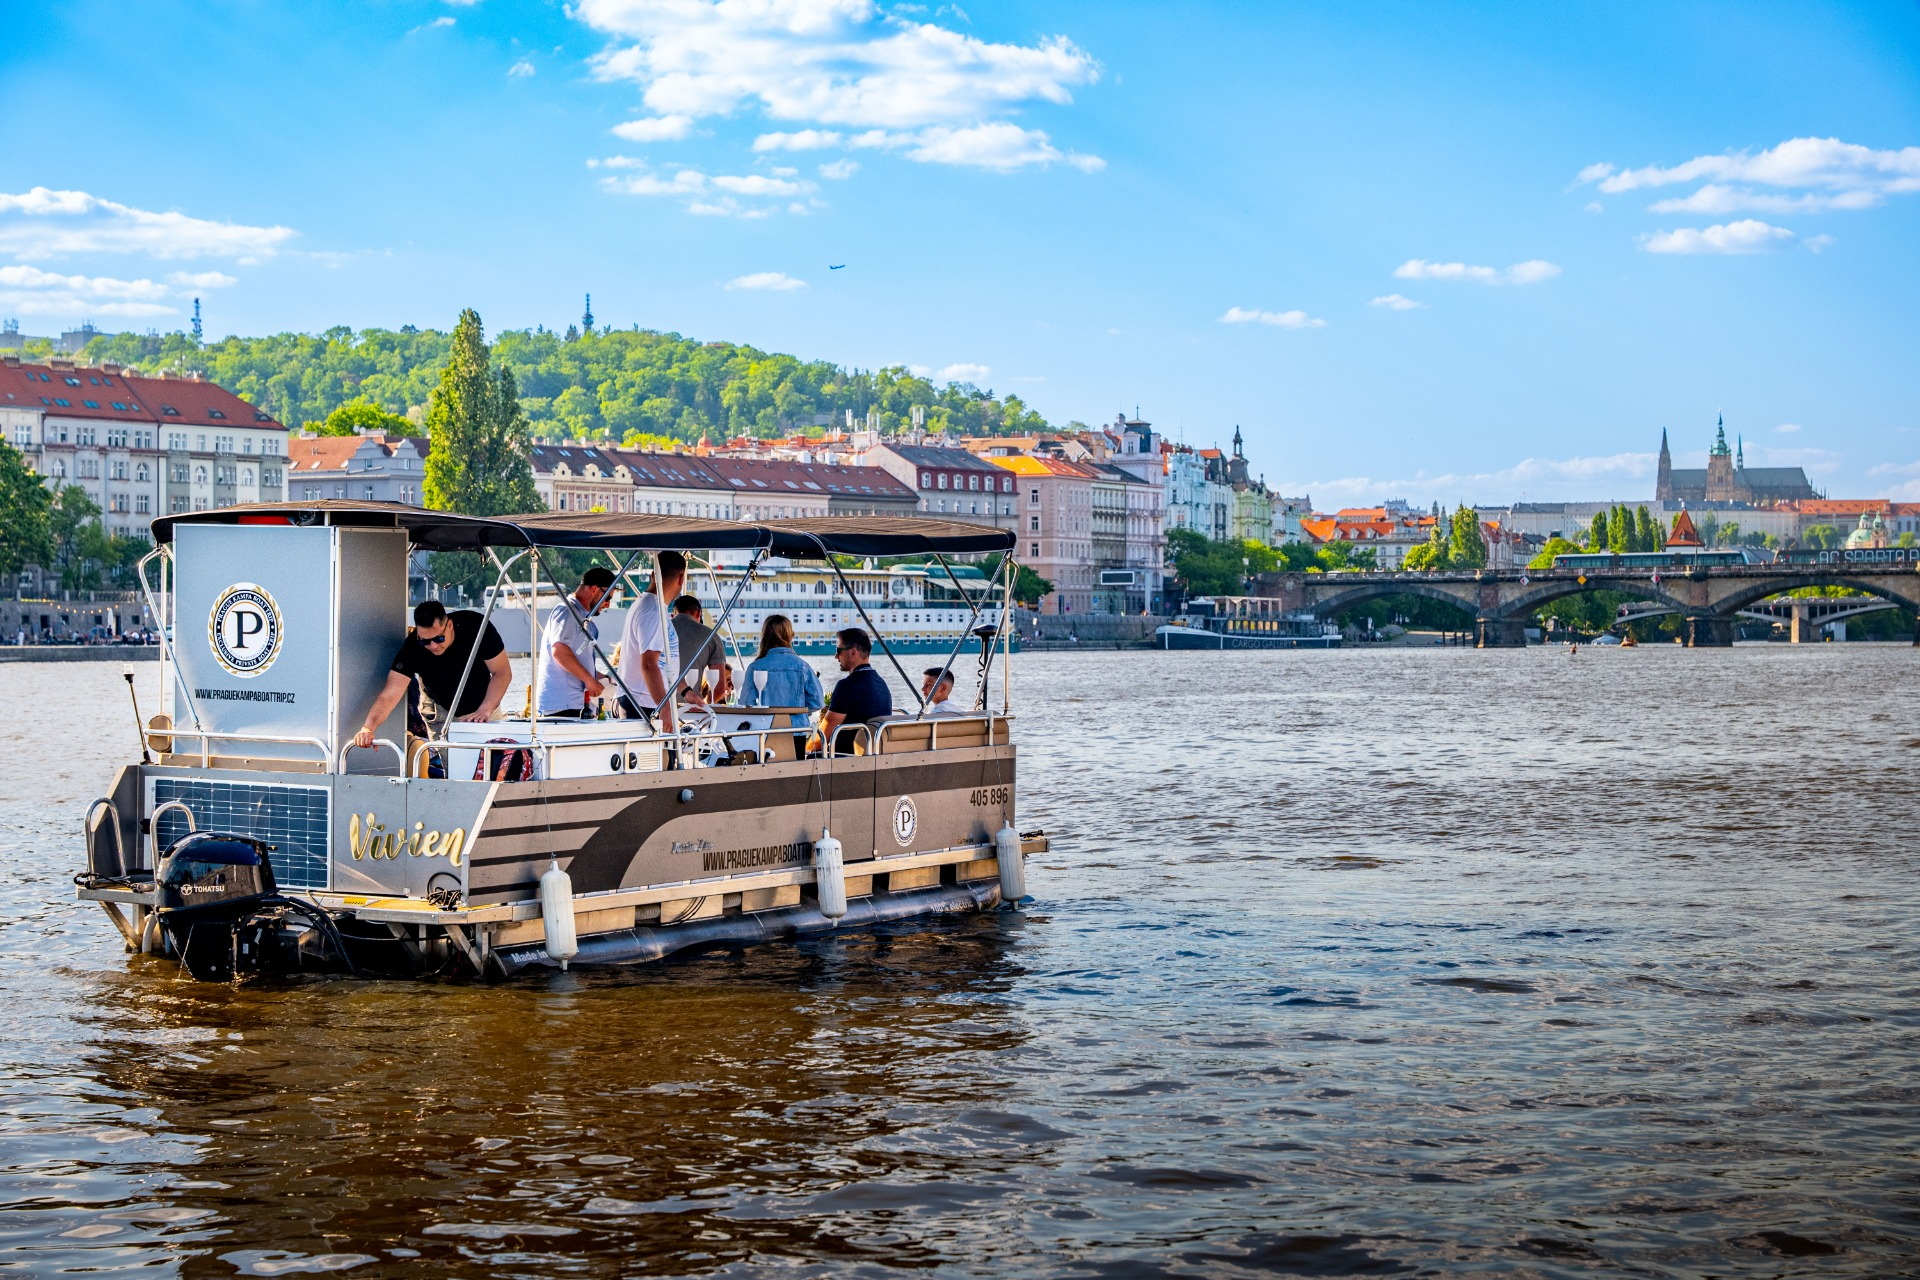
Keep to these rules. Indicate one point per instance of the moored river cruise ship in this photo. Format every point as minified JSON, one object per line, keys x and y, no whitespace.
{"x":253,"y":836}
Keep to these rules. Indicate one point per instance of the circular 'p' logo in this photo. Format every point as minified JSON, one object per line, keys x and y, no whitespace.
{"x":244,"y":629}
{"x":906,"y":821}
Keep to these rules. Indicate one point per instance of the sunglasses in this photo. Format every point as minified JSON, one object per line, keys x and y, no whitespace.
{"x":440,"y":639}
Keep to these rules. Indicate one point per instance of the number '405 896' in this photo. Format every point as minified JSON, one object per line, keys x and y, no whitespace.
{"x":987,"y":797}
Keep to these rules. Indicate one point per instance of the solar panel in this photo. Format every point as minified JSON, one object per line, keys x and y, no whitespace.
{"x":291,"y":821}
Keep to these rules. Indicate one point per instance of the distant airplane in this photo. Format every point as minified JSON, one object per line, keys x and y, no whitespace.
{"x":840,"y":267}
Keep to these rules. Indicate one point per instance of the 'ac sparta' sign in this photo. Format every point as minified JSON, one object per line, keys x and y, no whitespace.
{"x":244,"y":629}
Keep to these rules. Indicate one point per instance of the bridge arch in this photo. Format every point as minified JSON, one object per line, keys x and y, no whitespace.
{"x":1461,"y":596}
{"x":1546,"y":593}
{"x":1745,"y":594}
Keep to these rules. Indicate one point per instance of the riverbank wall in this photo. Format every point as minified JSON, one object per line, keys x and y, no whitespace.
{"x":80,"y":653}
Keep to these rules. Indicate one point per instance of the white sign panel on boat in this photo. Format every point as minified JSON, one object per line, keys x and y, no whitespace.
{"x":906,"y":821}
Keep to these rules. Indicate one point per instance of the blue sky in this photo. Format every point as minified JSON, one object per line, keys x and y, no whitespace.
{"x":1480,"y":252}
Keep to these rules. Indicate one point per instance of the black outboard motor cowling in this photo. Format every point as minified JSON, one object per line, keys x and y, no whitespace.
{"x":207,"y":882}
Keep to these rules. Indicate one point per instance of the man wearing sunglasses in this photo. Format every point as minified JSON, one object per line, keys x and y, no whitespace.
{"x":860,"y":696}
{"x":436,"y":652}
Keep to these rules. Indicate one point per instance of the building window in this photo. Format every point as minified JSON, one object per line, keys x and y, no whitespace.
{"x":141,"y":505}
{"x":177,"y":440}
{"x":179,"y":505}
{"x":1033,"y":524}
{"x":1035,"y":500}
{"x":943,"y":480}
{"x":1036,"y":551}
{"x":140,"y":473}
{"x":199,"y":475}
{"x":973,"y":482}
{"x":369,"y":493}
{"x":926,"y":479}
{"x":118,"y":469}
{"x":269,"y":475}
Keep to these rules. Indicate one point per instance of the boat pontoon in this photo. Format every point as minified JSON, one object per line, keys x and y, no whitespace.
{"x":253,"y":837}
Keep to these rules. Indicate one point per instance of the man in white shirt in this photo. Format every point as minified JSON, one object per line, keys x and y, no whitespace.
{"x":567,"y":680}
{"x":936,"y":686}
{"x":649,"y":653}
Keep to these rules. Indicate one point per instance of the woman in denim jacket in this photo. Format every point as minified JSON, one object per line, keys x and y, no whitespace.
{"x":779,"y":677}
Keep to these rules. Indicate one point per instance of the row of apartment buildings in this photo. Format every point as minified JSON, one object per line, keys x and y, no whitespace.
{"x":140,"y":446}
{"x":1091,"y":508}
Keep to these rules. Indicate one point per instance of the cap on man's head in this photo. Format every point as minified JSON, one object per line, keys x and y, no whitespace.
{"x":599,"y":576}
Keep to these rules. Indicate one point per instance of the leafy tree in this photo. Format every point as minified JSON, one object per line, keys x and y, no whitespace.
{"x":1653,"y":536}
{"x":1904,"y":540}
{"x":1339,"y":555}
{"x":479,"y":463}
{"x":362,"y":414}
{"x":1555,"y":548}
{"x":1598,"y":537}
{"x":1029,"y":586}
{"x":26,"y":531}
{"x":1821,"y":537}
{"x":1466,"y":548}
{"x":1435,"y":555}
{"x":1620,"y":532}
{"x":1201,"y":565}
{"x":1727,"y":535}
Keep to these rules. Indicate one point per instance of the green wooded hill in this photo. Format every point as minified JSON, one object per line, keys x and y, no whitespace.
{"x":612,"y":384}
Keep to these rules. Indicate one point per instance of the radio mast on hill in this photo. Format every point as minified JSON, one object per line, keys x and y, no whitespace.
{"x":196,"y":319}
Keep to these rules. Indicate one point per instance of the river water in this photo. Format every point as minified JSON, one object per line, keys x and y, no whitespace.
{"x":1427,"y":962}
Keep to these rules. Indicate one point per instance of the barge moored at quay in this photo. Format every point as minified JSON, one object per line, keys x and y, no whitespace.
{"x":253,"y":837}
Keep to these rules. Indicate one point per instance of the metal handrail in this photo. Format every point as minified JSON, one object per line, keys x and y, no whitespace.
{"x":206,"y":736}
{"x":153,"y":823}
{"x":399,"y":756}
{"x":88,"y":827}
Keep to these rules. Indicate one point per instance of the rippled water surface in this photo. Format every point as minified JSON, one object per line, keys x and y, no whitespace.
{"x":1386,"y":963}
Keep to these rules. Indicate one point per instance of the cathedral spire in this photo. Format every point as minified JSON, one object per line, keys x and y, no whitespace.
{"x":1740,"y":454}
{"x":1720,"y":449}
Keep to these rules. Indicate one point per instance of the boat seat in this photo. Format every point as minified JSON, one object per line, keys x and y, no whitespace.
{"x":905,"y":735}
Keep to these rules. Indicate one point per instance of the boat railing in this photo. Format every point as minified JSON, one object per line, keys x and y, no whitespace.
{"x":399,"y":756}
{"x":207,"y":737}
{"x":694,"y":743}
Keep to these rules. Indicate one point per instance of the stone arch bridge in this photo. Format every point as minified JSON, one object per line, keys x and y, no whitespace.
{"x":1502,"y":601}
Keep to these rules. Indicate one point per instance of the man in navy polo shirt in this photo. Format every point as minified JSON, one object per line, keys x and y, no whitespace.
{"x":861,"y":694}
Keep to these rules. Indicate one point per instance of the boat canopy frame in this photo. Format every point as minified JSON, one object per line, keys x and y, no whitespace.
{"x":801,"y":539}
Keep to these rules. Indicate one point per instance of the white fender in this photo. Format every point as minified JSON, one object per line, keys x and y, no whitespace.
{"x":556,"y":914}
{"x":1013,"y":870}
{"x":829,"y":875}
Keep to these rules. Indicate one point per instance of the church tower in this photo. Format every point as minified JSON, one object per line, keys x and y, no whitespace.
{"x":1721,"y":484}
{"x":1663,"y":485}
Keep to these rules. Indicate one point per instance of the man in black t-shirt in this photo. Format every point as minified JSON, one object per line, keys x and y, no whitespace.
{"x":860,"y":696}
{"x":436,"y":652}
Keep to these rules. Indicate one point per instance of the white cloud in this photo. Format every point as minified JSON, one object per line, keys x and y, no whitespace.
{"x":993,"y":145}
{"x":655,"y":129}
{"x":201,"y":280}
{"x":1807,"y":163}
{"x":1800,"y":176}
{"x":616,"y":162}
{"x":1530,"y":272}
{"x":1787,"y":428}
{"x":756,"y":184}
{"x":962,"y":372}
{"x":29,"y":291}
{"x":837,"y":169}
{"x":1814,"y":244}
{"x":1279,"y":319}
{"x":768,"y":282}
{"x":801,"y":140}
{"x":1909,"y":491}
{"x":520,"y":69}
{"x":931,"y":91}
{"x":43,"y":223}
{"x":1395,"y":302}
{"x":824,"y":61}
{"x":685,"y":182}
{"x":1744,"y":236}
{"x":1618,"y":475}
{"x":436,"y":24}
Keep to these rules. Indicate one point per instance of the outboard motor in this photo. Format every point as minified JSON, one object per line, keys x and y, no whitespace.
{"x":208,"y":883}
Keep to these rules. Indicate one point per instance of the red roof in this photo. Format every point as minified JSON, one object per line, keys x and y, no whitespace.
{"x":1684,"y":534}
{"x":183,"y":400}
{"x":77,"y":392}
{"x":333,"y":453}
{"x":754,"y":475}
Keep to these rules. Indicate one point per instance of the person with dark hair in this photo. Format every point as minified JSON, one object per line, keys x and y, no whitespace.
{"x":701,"y":652}
{"x":568,"y":684}
{"x":435,"y":652}
{"x":649,"y":653}
{"x":936,"y":686}
{"x":860,"y":696}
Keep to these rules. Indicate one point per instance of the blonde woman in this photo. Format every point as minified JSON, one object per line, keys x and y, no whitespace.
{"x":779,"y":677}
